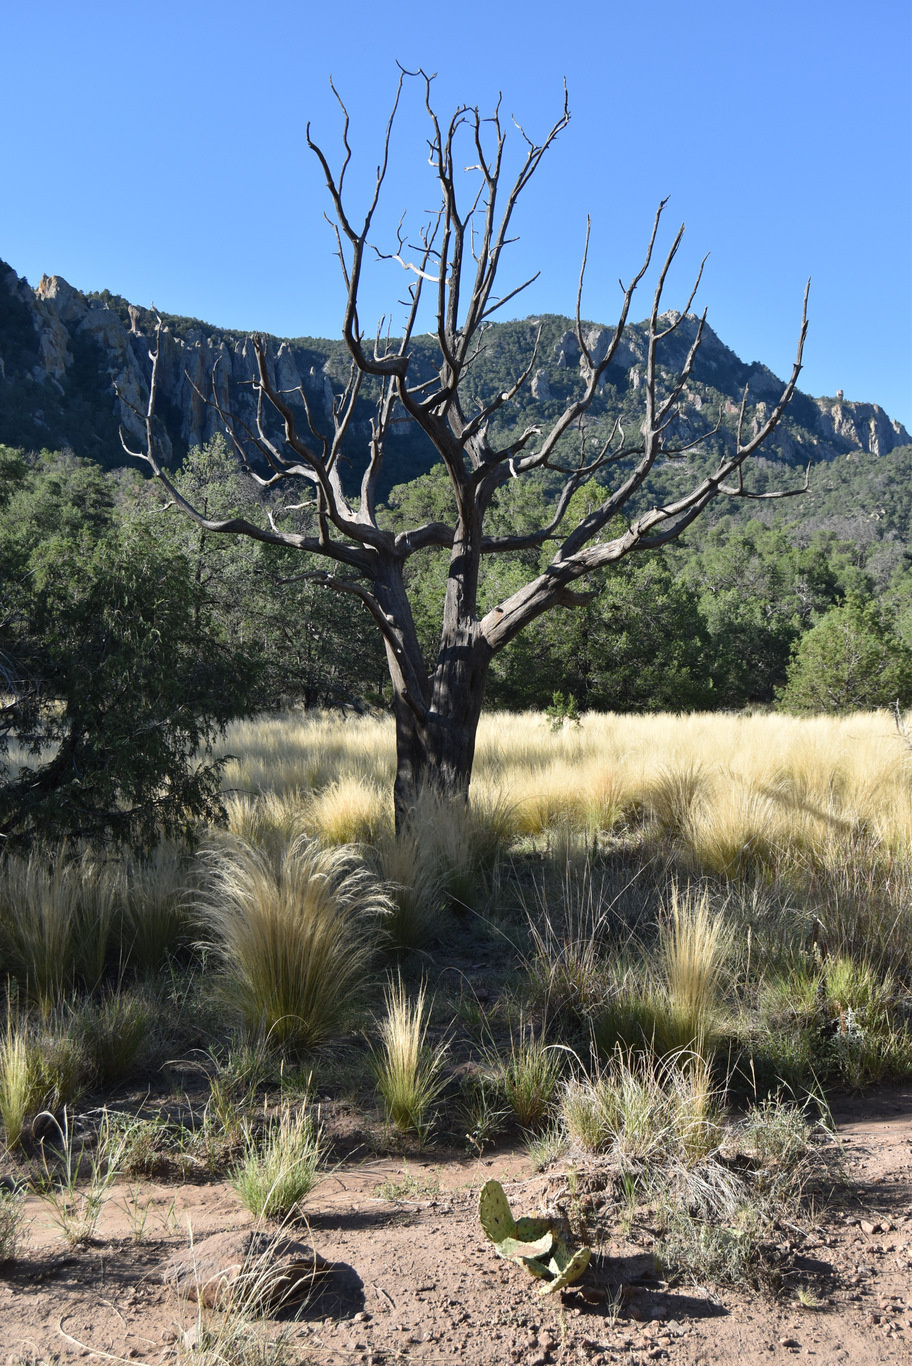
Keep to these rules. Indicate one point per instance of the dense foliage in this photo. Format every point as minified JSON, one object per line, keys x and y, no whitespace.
{"x":118,"y":675}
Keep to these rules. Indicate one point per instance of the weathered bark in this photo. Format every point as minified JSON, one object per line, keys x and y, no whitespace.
{"x":437,"y":750}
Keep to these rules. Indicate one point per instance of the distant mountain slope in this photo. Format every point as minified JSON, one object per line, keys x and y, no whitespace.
{"x":61,"y":353}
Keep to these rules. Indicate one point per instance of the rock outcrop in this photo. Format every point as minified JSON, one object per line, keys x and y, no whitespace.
{"x":91,"y":355}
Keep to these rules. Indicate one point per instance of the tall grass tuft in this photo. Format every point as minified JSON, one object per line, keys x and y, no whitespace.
{"x":116,"y":1034}
{"x":409,"y":871}
{"x":673,"y":796}
{"x":269,"y":819}
{"x":695,"y":945}
{"x":57,"y":918}
{"x":568,"y":928}
{"x":463,"y":840}
{"x":17,"y":1083}
{"x":407,"y":1071}
{"x":349,"y":811}
{"x":12,"y":1232}
{"x":530,"y":1077}
{"x":155,"y":924}
{"x":294,"y":934}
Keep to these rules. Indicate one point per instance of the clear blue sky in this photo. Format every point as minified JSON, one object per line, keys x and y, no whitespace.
{"x":158,"y":150}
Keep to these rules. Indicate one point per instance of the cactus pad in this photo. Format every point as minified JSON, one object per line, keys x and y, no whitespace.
{"x":494,"y":1213}
{"x":516,"y":1249}
{"x":565,"y":1267}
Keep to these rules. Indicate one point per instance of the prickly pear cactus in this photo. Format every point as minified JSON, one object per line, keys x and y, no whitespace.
{"x":530,"y":1242}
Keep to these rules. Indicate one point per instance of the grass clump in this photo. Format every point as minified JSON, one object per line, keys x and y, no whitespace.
{"x":278,"y":1172}
{"x":42,"y":1067}
{"x":12,"y":1225}
{"x":639,"y":1110}
{"x":530,"y":1077}
{"x":116,"y":1035}
{"x":409,"y":871}
{"x":155,"y":924}
{"x":57,"y":917}
{"x":17,"y":1084}
{"x":719,"y":1218}
{"x":406,"y":1070}
{"x":566,"y":965}
{"x":695,"y":947}
{"x":349,"y":811}
{"x":294,"y":933}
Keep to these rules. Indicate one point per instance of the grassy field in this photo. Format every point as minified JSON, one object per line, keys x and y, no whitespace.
{"x":644,"y":935}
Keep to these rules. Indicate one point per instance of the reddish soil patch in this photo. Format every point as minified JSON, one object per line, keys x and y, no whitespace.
{"x":418,"y":1281}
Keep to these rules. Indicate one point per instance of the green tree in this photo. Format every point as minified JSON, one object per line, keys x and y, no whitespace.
{"x":850,"y":661}
{"x":118,"y":681}
{"x":757,"y":593}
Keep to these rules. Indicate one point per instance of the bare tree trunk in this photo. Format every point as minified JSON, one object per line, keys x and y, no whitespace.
{"x":438,"y":750}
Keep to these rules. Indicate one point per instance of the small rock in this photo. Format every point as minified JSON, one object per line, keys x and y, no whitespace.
{"x":361,"y":1317}
{"x":867,"y":1227}
{"x":540,"y":1359}
{"x":277,"y":1270}
{"x":789,"y":1342}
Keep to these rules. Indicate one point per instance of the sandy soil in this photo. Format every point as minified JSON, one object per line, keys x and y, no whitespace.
{"x":417,"y":1280}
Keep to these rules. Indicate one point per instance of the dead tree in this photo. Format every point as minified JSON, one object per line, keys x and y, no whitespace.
{"x":458,"y":257}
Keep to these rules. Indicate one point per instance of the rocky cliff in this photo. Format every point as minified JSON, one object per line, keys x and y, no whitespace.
{"x":65,"y":356}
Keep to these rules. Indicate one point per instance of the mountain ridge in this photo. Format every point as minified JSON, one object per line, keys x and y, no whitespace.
{"x":62,"y":352}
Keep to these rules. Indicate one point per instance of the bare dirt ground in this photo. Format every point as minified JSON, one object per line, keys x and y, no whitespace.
{"x":417,"y":1281}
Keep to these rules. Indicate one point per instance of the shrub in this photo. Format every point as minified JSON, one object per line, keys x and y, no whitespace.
{"x":849,"y":661}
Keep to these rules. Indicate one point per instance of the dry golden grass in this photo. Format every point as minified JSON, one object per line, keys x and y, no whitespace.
{"x":822,"y":805}
{"x":695,"y":943}
{"x":408,"y":1072}
{"x":726,"y":784}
